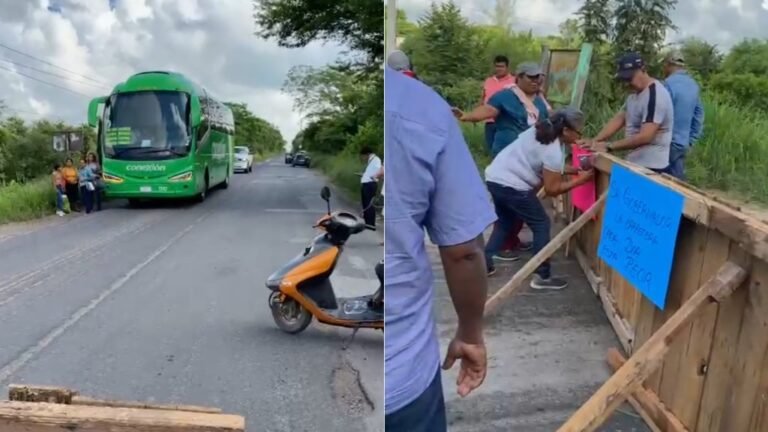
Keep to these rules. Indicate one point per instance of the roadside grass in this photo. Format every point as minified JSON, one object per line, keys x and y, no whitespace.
{"x":22,"y":202}
{"x":731,"y":156}
{"x":342,"y":169}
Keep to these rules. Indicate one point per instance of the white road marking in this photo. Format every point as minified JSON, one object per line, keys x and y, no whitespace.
{"x":14,"y":366}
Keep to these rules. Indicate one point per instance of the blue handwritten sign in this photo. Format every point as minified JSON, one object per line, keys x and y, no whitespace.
{"x":639,"y":232}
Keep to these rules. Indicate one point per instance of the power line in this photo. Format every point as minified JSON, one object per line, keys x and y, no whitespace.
{"x":51,"y":64}
{"x":44,"y":82}
{"x":53,"y":74}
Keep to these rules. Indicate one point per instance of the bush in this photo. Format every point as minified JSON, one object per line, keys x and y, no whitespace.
{"x":20,"y":202}
{"x":746,"y":88}
{"x":342,"y":170}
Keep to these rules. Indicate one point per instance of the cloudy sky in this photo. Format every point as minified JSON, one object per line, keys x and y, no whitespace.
{"x":90,"y":45}
{"x":722,"y":22}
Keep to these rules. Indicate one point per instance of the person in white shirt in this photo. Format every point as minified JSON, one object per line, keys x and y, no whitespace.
{"x":369,"y":185}
{"x":514,"y":177}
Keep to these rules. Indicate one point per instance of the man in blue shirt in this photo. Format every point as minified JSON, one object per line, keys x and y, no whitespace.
{"x":689,"y":113}
{"x":432,"y":184}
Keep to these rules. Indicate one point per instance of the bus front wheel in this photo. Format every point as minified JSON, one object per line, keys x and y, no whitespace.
{"x":204,"y":193}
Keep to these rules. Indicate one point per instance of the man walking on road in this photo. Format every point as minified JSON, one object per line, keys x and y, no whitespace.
{"x":369,"y":185}
{"x":433,"y":185}
{"x":647,"y":117}
{"x":689,"y":113}
{"x":501,"y":79}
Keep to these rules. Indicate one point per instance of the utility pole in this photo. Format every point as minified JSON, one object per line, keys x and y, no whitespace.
{"x":390,"y":32}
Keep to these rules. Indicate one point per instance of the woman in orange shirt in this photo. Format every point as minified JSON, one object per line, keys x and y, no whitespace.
{"x":71,"y":181}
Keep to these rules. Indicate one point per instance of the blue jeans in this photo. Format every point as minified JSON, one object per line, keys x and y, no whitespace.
{"x":511,"y":206}
{"x":60,"y":194}
{"x":87,"y":198}
{"x":676,"y":166}
{"x":490,"y":134}
{"x":425,"y":414}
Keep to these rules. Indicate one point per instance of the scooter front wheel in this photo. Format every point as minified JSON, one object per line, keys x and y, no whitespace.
{"x":290,"y":316}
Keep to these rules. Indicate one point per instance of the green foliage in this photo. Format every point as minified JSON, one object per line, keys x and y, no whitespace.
{"x":746,"y":89}
{"x":749,"y":56}
{"x":701,"y":57}
{"x":25,"y":201}
{"x":295,"y":23}
{"x":257,"y":134}
{"x":731,"y":155}
{"x":342,"y":171}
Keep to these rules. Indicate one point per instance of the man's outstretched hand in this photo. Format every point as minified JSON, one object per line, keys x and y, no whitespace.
{"x":474,"y":364}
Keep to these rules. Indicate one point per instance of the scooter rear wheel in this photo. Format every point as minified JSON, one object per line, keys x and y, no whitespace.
{"x":290,"y":316}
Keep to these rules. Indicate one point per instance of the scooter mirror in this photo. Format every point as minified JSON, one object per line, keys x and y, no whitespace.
{"x":325,"y":193}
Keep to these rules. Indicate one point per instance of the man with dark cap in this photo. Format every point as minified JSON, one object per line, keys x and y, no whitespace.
{"x":689,"y":113}
{"x":647,"y":117}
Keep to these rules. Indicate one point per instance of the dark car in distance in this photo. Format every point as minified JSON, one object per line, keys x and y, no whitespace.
{"x":301,"y":159}
{"x":288,"y":158}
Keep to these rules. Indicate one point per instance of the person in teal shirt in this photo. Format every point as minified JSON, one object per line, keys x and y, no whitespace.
{"x":514,"y":109}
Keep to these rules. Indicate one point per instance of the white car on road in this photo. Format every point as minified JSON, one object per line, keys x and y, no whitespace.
{"x":243,"y":159}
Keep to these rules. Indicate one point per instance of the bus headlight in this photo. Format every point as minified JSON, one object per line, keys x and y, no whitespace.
{"x":109,"y":178}
{"x":185,"y":177}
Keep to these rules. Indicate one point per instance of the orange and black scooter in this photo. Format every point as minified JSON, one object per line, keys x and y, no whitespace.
{"x":302,"y":288}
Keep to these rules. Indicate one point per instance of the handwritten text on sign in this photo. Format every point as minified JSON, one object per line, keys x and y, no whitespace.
{"x":639,"y":232}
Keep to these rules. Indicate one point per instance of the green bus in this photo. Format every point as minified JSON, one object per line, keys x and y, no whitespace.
{"x":162,"y":136}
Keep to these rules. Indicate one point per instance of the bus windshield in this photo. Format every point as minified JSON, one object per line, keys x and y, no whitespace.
{"x":147,"y":125}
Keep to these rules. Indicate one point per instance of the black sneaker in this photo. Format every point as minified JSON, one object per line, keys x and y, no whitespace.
{"x":540,"y":283}
{"x":506,"y":256}
{"x":491,"y":271}
{"x":525,"y":246}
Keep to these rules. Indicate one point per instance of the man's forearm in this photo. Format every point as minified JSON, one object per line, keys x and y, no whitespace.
{"x":611,"y":128}
{"x":465,"y":273}
{"x":632,"y":142}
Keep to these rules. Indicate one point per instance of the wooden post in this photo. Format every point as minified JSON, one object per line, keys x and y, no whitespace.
{"x":47,"y":417}
{"x":25,"y":393}
{"x":648,"y":400}
{"x":514,"y":284}
{"x":650,"y":356}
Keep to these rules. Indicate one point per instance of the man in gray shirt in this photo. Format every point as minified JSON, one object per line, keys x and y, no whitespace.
{"x":647,"y":117}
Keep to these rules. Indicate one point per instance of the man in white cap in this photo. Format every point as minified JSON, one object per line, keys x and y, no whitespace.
{"x":400,"y":62}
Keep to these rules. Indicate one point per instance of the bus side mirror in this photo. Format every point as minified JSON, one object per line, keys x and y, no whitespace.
{"x":93,"y":110}
{"x":195,"y":115}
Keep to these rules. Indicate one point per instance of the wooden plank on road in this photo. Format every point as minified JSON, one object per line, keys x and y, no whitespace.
{"x":47,"y":417}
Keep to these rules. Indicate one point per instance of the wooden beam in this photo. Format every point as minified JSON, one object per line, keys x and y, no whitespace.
{"x":621,"y":326}
{"x":26,"y":393}
{"x":517,"y":280}
{"x":650,"y":356}
{"x":46,"y":417}
{"x":649,"y":401}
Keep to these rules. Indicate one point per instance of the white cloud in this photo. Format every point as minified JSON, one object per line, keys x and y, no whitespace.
{"x":211,"y":41}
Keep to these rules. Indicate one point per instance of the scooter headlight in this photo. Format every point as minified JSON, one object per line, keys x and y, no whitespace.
{"x":273,"y":284}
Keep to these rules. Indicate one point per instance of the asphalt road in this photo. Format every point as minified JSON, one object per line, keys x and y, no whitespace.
{"x":167,"y":304}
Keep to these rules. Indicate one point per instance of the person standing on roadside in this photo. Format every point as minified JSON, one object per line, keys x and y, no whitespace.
{"x":369,"y":185}
{"x":87,"y":188}
{"x":647,"y":117}
{"x":688,"y":112}
{"x":72,"y":183}
{"x":93,"y":164}
{"x":433,"y":185}
{"x":500,"y":80}
{"x":59,"y":185}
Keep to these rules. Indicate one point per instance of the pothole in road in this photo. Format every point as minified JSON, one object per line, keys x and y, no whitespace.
{"x":348,"y":391}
